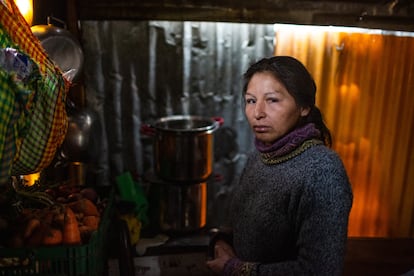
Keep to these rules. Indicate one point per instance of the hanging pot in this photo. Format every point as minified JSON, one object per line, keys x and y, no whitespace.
{"x":62,"y":47}
{"x":183,"y":147}
{"x":81,"y":140}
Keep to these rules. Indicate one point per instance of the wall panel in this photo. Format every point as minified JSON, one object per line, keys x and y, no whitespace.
{"x":366,"y":82}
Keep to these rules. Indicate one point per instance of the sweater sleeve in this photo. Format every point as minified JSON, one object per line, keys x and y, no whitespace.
{"x":322,"y":221}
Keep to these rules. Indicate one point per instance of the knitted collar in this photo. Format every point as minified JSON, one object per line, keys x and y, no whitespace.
{"x":290,"y":145}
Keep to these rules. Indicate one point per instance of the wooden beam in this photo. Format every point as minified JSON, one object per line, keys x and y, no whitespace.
{"x":363,"y":13}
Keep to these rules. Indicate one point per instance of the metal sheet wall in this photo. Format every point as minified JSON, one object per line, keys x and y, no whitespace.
{"x":365,"y":82}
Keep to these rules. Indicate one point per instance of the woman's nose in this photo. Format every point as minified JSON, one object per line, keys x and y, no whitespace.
{"x":259,"y":111}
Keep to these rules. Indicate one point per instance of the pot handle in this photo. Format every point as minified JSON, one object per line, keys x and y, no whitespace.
{"x":220,"y":120}
{"x":148,"y":130}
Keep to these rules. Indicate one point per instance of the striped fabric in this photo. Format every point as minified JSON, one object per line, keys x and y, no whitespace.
{"x":33,"y":115}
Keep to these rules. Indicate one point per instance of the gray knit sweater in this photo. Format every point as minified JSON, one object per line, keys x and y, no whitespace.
{"x":292,"y":218}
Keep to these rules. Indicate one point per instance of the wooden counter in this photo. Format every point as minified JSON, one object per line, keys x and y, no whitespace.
{"x":379,"y":256}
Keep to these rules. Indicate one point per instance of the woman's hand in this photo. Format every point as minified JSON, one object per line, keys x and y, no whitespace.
{"x":222,"y":253}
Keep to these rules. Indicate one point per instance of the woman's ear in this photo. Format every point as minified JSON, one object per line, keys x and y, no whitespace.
{"x":305,"y":111}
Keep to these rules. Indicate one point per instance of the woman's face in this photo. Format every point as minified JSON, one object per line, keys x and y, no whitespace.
{"x":270,"y":109}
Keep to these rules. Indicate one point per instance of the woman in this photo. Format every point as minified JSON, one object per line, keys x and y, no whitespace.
{"x":290,"y":209}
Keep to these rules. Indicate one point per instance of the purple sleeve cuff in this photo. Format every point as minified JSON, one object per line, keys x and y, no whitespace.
{"x":230,"y":267}
{"x":235,"y":267}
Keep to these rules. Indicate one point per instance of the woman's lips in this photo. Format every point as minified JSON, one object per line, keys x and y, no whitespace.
{"x":261,"y":128}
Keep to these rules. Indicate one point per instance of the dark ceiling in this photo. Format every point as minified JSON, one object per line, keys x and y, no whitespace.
{"x":382,"y":14}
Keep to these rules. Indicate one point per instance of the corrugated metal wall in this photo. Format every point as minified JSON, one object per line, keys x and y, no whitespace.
{"x":366,"y":83}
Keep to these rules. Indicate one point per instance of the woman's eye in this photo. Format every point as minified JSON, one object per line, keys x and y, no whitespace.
{"x":250,"y":101}
{"x":272,"y":100}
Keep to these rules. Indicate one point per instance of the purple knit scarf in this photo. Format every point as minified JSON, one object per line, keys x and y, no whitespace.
{"x":289,"y":142}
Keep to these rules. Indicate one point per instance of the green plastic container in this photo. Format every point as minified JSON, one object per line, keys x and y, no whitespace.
{"x":87,"y":259}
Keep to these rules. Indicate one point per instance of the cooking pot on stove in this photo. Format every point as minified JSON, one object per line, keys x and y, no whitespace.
{"x":183,"y":147}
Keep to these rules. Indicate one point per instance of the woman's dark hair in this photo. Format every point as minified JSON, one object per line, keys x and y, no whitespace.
{"x":298,"y":82}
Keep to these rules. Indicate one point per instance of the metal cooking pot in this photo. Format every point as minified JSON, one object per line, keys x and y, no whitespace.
{"x":81,"y":140}
{"x":183,"y":147}
{"x":62,"y":47}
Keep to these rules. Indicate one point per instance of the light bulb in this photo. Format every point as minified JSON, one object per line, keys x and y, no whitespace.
{"x":26,"y":9}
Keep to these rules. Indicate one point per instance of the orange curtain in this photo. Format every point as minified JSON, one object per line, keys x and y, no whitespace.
{"x":365,"y":82}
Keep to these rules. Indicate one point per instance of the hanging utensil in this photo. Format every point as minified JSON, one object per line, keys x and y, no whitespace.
{"x":81,"y":141}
